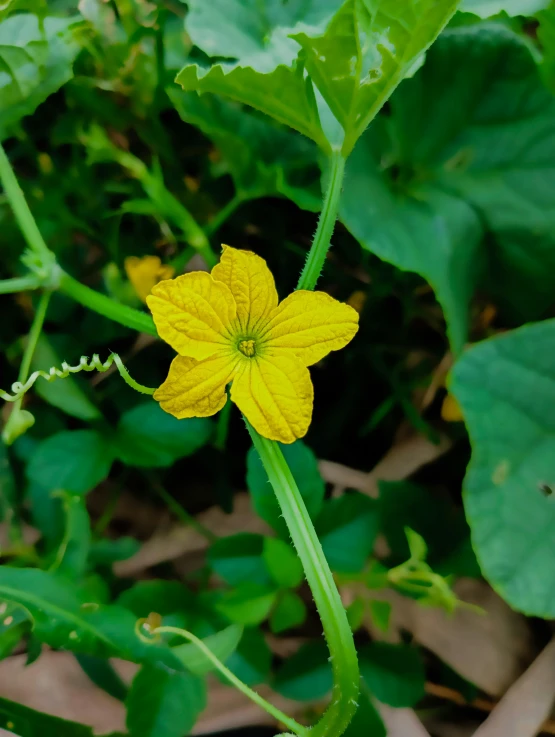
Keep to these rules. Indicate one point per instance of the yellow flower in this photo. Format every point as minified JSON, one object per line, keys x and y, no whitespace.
{"x":227,"y":327}
{"x":144,"y":273}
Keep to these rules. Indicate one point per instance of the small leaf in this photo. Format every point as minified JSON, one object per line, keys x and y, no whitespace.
{"x":290,"y":611}
{"x":148,"y":437}
{"x":306,"y":675}
{"x":222,"y":644}
{"x":282,"y":563}
{"x":394,"y":674}
{"x":347,"y":528}
{"x":248,"y":604}
{"x":164,"y":704}
{"x":73,"y":551}
{"x":304,"y":467}
{"x":73,"y":460}
{"x":238,"y":559}
{"x":252,"y":659}
{"x":417,"y":545}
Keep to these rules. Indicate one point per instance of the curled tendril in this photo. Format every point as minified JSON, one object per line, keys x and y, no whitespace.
{"x":85,"y":364}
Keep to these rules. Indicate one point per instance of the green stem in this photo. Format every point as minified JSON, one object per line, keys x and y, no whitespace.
{"x":224,"y":214}
{"x":320,"y":579}
{"x":131,"y":318}
{"x":232,"y":678}
{"x":20,"y":208}
{"x":326,"y":224}
{"x":20,"y":284}
{"x":34,"y":335}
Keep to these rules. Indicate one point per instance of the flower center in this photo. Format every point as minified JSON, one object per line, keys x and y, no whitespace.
{"x":247,"y":348}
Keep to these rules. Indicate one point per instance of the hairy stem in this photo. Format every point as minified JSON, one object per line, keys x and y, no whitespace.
{"x":20,"y":208}
{"x":326,"y":224}
{"x":338,"y":633}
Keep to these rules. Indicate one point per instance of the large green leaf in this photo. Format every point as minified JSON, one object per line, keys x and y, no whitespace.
{"x":36,"y":59}
{"x":147,"y":436}
{"x":487,"y":8}
{"x":163,"y":704}
{"x":506,"y":388}
{"x":468,"y":148}
{"x":73,"y":460}
{"x":264,"y":159}
{"x":222,"y":644}
{"x":255,"y":34}
{"x":284,"y":94}
{"x":304,"y":467}
{"x":63,"y":618}
{"x":366,"y":50}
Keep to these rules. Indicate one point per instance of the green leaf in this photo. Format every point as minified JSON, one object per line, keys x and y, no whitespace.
{"x":73,"y":551}
{"x":67,"y":394}
{"x":26,"y":722}
{"x":264,"y":160}
{"x":64,"y":618}
{"x":347,"y":528}
{"x":487,"y":8}
{"x":546,"y":37}
{"x":248,"y":604}
{"x":14,"y":625}
{"x":506,"y":389}
{"x":252,"y":659}
{"x":394,"y":674}
{"x":105,"y":552}
{"x":284,"y":94}
{"x":415,"y":226}
{"x":238,"y":559}
{"x":459,"y":158}
{"x":73,"y":460}
{"x":254,"y":33}
{"x":163,"y":704}
{"x":36,"y":58}
{"x":290,"y":611}
{"x":367,"y":49}
{"x":148,"y":437}
{"x":380,"y":612}
{"x":304,"y":467}
{"x":103,"y":675}
{"x":222,"y":644}
{"x":306,"y":675}
{"x":282,"y":563}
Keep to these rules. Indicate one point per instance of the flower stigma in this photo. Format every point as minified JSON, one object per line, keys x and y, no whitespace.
{"x":247,"y":348}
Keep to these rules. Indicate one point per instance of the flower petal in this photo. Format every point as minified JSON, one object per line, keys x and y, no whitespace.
{"x":275,"y":394}
{"x":251,"y":283}
{"x":196,"y":388}
{"x":311,"y":324}
{"x":193,"y":314}
{"x":145,"y":272}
